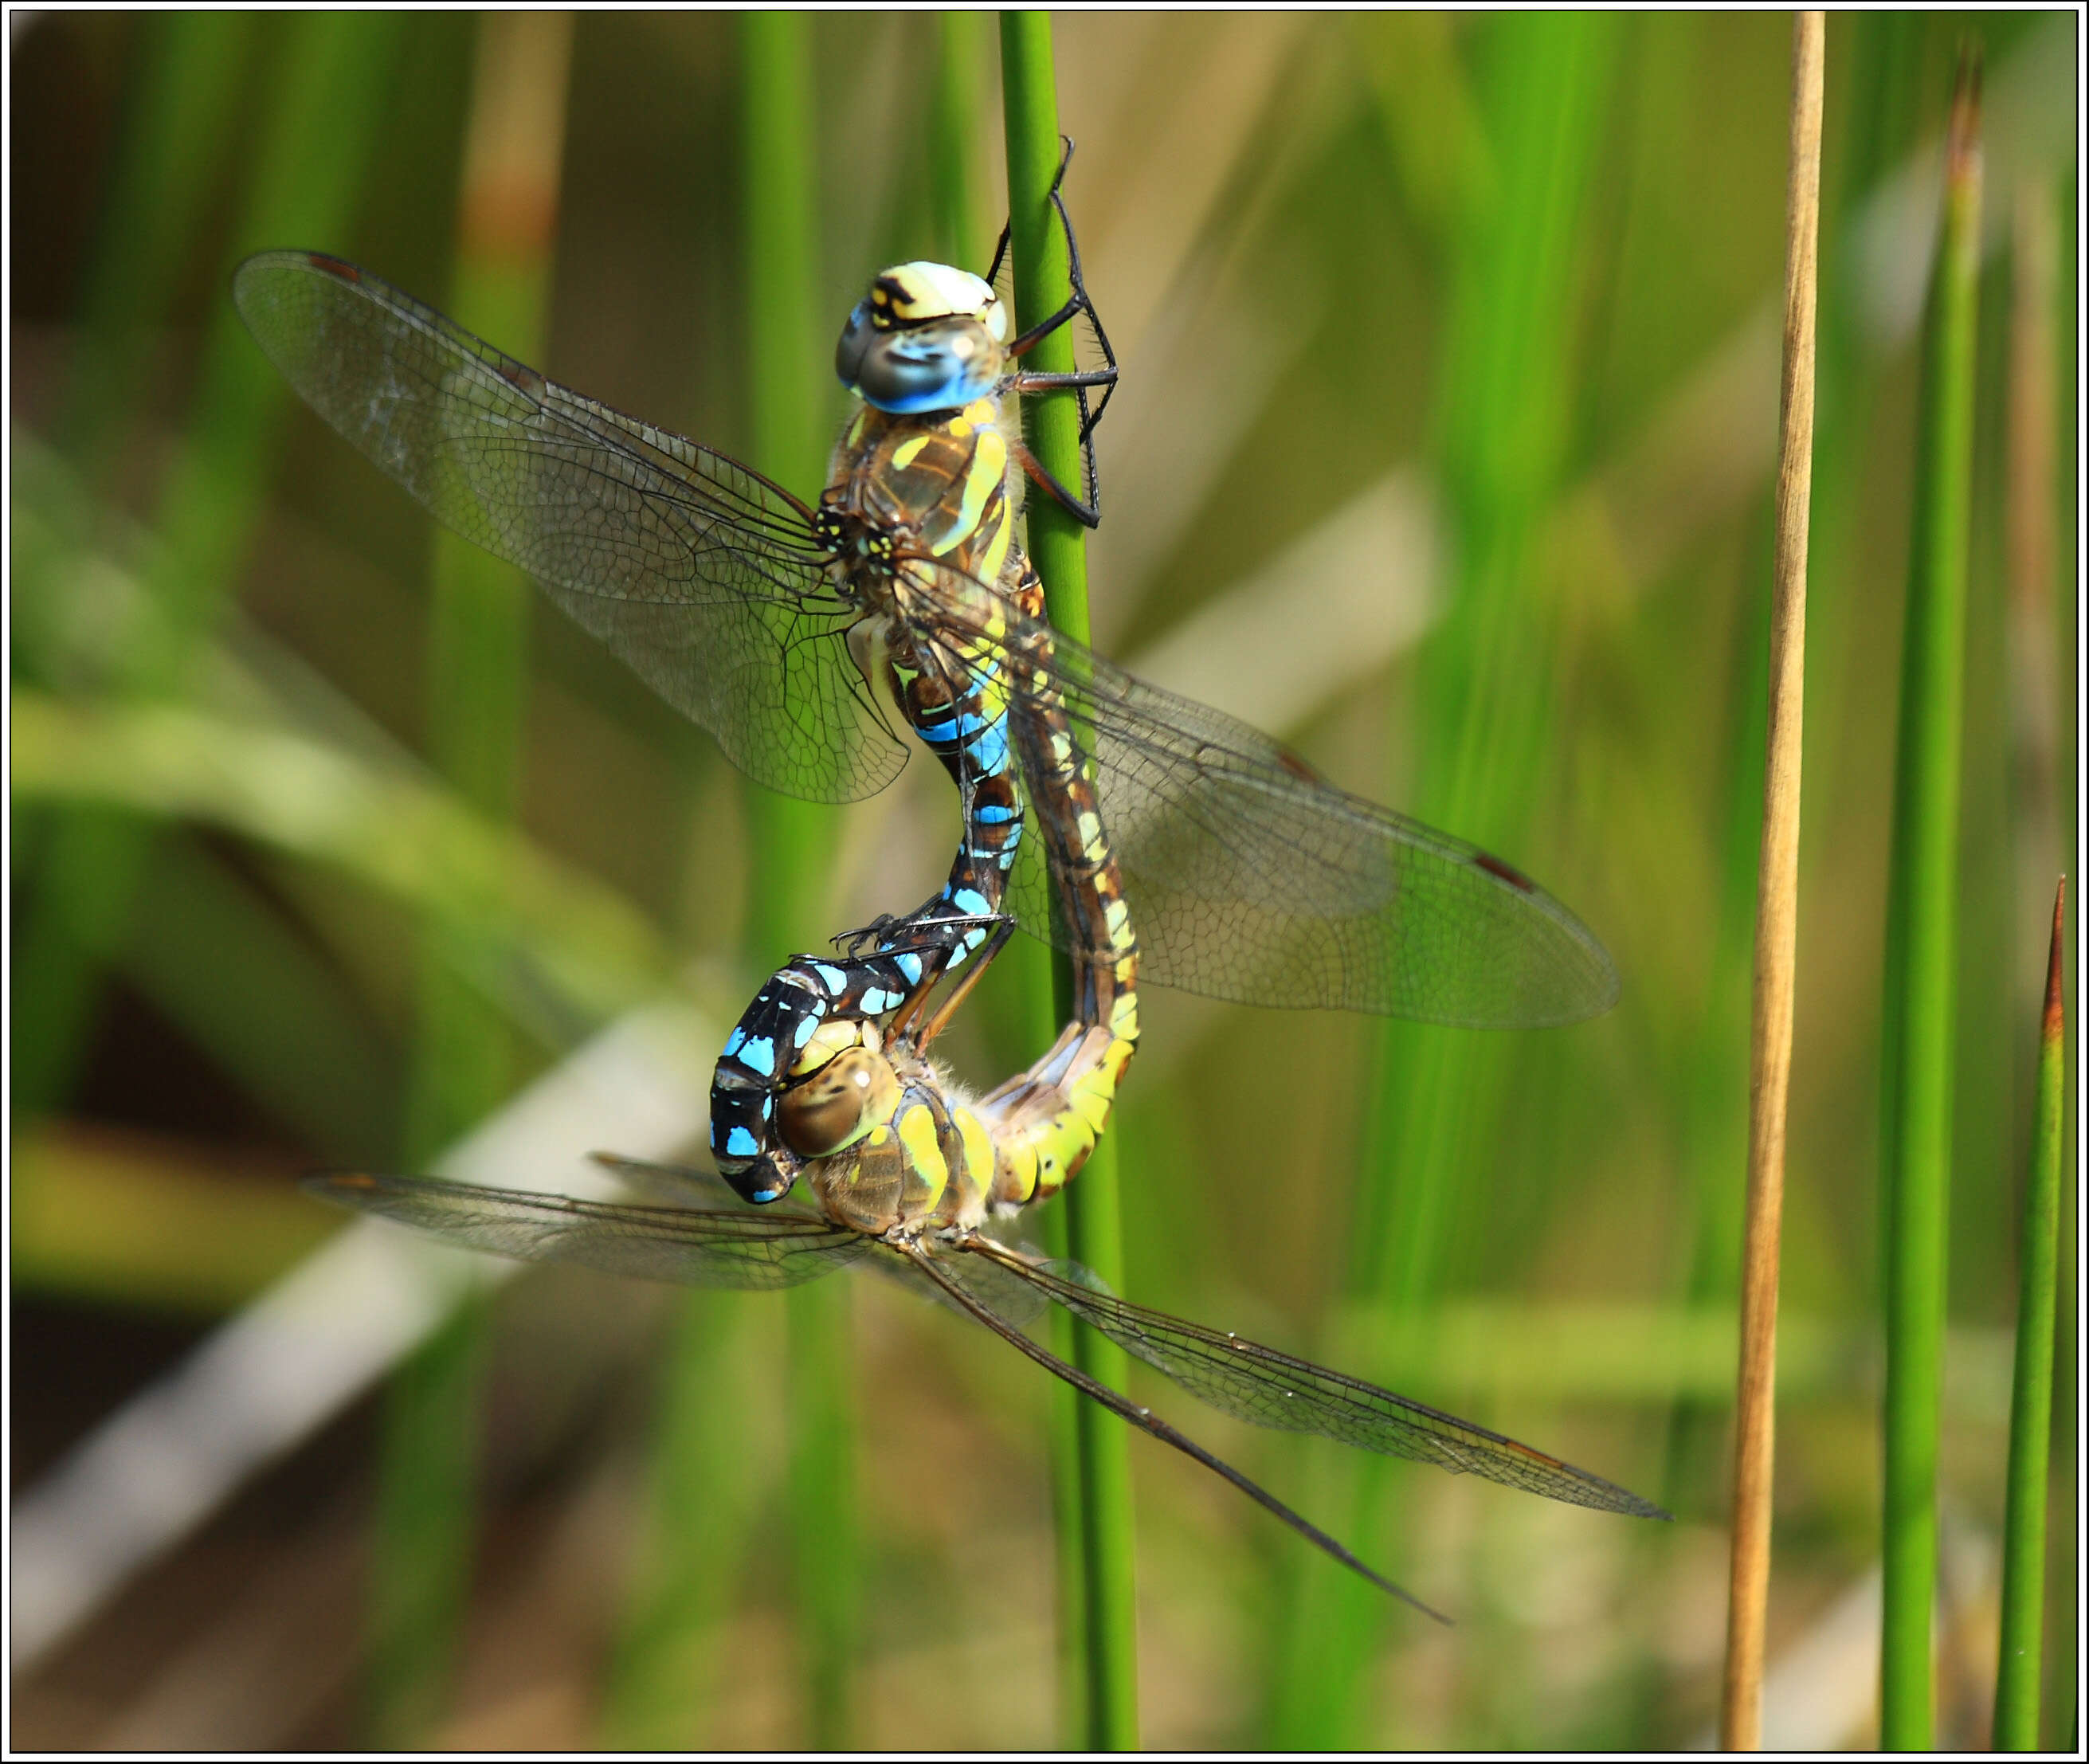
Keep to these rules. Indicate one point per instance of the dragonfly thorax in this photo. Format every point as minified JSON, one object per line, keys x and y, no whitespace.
{"x":926,"y":337}
{"x":853,"y":542}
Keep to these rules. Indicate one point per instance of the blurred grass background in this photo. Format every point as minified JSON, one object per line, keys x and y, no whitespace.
{"x":1444,"y":449}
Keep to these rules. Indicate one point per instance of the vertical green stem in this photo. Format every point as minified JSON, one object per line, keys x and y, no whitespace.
{"x":170,"y":161}
{"x":1042,"y":286}
{"x":1016,"y":1005}
{"x":2031,"y":1405}
{"x":787,"y":355}
{"x":1922,"y":940}
{"x":463,"y":1058}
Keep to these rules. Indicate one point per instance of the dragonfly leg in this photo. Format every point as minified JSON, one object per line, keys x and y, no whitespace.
{"x":948,"y":1008}
{"x":1088,"y":513}
{"x":1102,"y":380}
{"x":851,"y":942}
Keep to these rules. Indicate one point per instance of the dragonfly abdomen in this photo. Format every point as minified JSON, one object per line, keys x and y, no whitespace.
{"x":1047,"y":1121}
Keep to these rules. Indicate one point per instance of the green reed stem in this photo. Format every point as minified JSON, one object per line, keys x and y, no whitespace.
{"x":1016,"y":1005}
{"x":1031,"y":118}
{"x":1922,"y":939}
{"x":170,"y":161}
{"x":464,"y":1053}
{"x":954,"y":139}
{"x":2030,"y":1403}
{"x":789,"y":348}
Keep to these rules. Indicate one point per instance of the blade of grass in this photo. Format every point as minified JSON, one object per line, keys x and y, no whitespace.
{"x":2063,"y":1715}
{"x":325,"y":109}
{"x":1777,"y":934}
{"x":1109,"y":1633}
{"x":386,"y":828}
{"x":463,"y":1059}
{"x":1921,"y":938}
{"x":213,"y":953}
{"x":150,"y":1226}
{"x":2041,"y":642}
{"x":2030,"y":1403}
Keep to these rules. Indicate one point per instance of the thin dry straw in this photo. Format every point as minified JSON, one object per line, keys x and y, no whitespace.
{"x":1777,"y":920}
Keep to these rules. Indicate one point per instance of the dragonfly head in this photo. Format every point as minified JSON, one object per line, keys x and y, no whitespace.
{"x":926,"y":337}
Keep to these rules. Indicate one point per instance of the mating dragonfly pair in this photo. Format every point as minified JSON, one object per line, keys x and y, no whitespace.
{"x":1147,"y":836}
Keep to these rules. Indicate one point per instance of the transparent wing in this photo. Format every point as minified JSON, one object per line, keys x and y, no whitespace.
{"x":700,"y":574}
{"x":990,"y":1285}
{"x":1260,"y":1385}
{"x":747,"y":1249}
{"x":1249,"y":877}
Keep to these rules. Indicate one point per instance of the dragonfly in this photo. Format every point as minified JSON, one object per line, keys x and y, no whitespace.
{"x":805,"y":638}
{"x":907,"y":1191}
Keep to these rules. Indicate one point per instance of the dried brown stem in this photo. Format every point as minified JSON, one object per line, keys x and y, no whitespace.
{"x":1777,"y":919}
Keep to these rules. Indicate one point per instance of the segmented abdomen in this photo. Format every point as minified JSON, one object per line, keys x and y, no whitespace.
{"x":1045,"y":1122}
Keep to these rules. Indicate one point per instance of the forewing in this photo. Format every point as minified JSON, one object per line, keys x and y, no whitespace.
{"x":746,"y":1250}
{"x":700,"y":574}
{"x":1248,"y":877}
{"x":1272,"y":1389}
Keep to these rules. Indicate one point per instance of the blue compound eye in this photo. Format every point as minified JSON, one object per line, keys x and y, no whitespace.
{"x":856,"y":335}
{"x":938,"y":366}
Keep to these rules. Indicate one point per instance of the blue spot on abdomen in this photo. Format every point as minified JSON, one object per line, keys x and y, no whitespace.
{"x":759,"y":1053}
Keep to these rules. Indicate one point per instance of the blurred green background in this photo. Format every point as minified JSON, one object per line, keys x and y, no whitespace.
{"x":1444,"y":449}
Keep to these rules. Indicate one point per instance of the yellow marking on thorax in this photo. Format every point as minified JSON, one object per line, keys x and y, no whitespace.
{"x":907,"y":451}
{"x":917,"y":1128}
{"x":988,"y":468}
{"x":996,"y":547}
